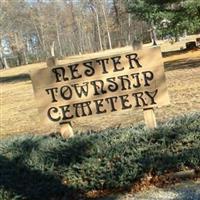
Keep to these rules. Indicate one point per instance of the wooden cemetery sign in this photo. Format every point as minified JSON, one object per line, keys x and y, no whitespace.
{"x":102,"y":85}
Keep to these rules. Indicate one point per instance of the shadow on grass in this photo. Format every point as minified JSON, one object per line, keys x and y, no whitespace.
{"x":34,"y":179}
{"x":182,"y":64}
{"x":173,"y":53}
{"x":31,"y":184}
{"x":15,"y":78}
{"x":178,"y":52}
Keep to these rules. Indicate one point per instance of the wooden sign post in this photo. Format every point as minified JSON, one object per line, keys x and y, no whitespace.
{"x":100,"y":86}
{"x":150,"y":118}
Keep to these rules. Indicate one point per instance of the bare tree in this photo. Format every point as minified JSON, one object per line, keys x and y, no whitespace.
{"x":102,"y":2}
{"x":98,"y":24}
{"x":31,"y":28}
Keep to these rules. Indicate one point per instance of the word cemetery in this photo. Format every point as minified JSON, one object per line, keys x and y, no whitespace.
{"x":101,"y":86}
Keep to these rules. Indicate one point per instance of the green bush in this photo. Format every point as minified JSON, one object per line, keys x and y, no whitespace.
{"x":49,"y":167}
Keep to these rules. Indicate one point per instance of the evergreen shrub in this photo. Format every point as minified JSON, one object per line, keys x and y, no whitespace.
{"x":49,"y":167}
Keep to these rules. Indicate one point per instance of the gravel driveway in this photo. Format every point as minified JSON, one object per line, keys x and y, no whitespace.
{"x":189,"y":190}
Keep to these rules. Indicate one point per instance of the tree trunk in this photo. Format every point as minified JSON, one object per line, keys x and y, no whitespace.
{"x":38,"y":34}
{"x":153,"y":34}
{"x":75,"y":28}
{"x":42,"y":32}
{"x":25,"y":57}
{"x":58,"y":37}
{"x":106,"y":23}
{"x":5,"y":63}
{"x":98,"y":26}
{"x":53,"y":49}
{"x":129,"y":28}
{"x":118,"y":22}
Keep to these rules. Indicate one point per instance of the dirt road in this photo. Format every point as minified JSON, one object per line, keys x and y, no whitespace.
{"x":189,"y":190}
